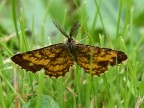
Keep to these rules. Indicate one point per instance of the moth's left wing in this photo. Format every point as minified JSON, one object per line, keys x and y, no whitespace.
{"x":53,"y":59}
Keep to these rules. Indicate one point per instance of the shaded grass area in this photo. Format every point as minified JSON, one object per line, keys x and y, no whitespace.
{"x":121,"y":86}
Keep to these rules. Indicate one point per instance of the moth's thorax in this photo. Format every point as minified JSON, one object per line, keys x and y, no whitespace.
{"x":70,"y":42}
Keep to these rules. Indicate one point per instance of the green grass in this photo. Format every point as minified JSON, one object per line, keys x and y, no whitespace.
{"x":121,"y":87}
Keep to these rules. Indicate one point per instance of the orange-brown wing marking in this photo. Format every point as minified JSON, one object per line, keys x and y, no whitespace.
{"x":101,"y":58}
{"x":37,"y":59}
{"x":61,"y":64}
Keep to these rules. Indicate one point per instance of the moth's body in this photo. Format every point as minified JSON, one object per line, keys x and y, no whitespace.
{"x":57,"y":59}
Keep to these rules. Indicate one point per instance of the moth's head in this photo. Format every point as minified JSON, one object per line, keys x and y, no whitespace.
{"x":71,"y":41}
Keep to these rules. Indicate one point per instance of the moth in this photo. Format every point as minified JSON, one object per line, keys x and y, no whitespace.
{"x":57,"y":59}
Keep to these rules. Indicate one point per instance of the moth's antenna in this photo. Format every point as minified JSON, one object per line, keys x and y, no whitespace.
{"x":60,"y":29}
{"x":75,"y":26}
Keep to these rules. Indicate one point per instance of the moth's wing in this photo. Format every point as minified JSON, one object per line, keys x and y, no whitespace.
{"x":100,"y":58}
{"x":59,"y":65}
{"x":41,"y":58}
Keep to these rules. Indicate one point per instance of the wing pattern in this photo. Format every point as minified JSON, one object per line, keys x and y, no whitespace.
{"x":100,"y":58}
{"x":55,"y":59}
